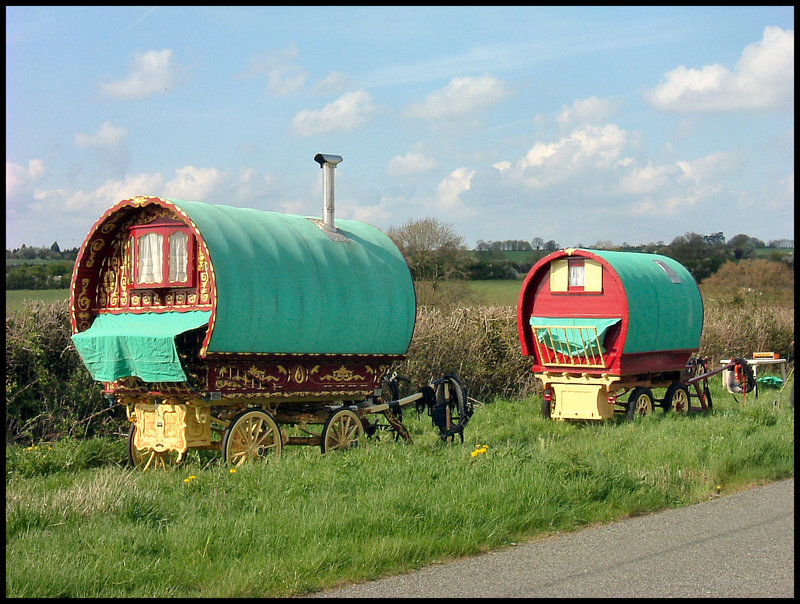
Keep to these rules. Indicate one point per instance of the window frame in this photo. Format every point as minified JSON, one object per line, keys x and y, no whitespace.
{"x":165,"y":229}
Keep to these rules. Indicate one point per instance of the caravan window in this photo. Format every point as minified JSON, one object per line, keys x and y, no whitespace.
{"x":162,"y":255}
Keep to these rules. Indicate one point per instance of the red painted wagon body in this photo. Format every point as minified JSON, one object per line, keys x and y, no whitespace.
{"x":600,"y":323}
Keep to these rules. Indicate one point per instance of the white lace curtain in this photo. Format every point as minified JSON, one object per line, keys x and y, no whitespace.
{"x":150,"y":258}
{"x":178,"y":257}
{"x":577,"y":275}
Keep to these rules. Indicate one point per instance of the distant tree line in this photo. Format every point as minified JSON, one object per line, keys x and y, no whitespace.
{"x":435,"y":252}
{"x":39,"y":267}
{"x":53,"y":252}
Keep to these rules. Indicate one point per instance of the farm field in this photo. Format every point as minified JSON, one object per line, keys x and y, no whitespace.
{"x":499,"y":292}
{"x":16,"y":298}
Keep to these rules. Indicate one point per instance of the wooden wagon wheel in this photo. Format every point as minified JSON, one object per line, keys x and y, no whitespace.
{"x":677,"y":398}
{"x":341,"y":431}
{"x":251,"y":436}
{"x":148,"y":459}
{"x":640,"y":402}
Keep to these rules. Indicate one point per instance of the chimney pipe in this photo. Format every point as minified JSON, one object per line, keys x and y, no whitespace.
{"x":328,"y":163}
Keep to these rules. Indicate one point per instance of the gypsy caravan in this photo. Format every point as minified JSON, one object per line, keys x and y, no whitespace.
{"x":601,"y":324}
{"x":216,"y":326}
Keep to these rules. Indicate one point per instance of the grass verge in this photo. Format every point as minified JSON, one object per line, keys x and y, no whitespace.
{"x":79,"y":524}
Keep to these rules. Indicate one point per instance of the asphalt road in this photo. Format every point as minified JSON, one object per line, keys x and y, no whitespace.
{"x":735,"y":546}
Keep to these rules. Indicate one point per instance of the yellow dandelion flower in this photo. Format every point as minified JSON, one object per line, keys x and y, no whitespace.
{"x":233,"y":470}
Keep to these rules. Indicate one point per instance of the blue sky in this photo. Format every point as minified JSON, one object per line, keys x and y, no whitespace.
{"x":576,"y":124}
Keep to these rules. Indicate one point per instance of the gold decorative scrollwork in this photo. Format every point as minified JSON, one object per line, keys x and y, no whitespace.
{"x":343,"y":374}
{"x":300,"y":374}
{"x":94,"y":247}
{"x":83,"y":297}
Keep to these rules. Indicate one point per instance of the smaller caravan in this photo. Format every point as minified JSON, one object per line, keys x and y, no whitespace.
{"x":601,"y":324}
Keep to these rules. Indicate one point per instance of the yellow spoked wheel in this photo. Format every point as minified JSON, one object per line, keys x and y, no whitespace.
{"x":677,"y":398}
{"x":252,"y":435}
{"x":342,"y":431}
{"x":640,"y":403}
{"x":148,"y":459}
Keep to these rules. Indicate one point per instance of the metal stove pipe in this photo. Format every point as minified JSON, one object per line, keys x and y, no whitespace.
{"x":328,"y":163}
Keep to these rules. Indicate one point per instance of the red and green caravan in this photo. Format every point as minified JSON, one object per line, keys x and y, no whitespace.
{"x":599,"y":324}
{"x":221,"y":327}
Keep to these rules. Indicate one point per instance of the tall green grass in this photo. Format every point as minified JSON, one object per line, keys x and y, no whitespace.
{"x":79,"y":524}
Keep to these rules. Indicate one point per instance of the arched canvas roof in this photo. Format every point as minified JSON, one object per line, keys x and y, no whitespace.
{"x":664,"y":303}
{"x":284,"y":284}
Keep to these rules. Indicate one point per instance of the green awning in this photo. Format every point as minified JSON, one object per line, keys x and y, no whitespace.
{"x":140,"y":345}
{"x":573,"y":336}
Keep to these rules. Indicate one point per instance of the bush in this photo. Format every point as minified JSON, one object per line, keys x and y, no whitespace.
{"x":49,"y":392}
{"x":479,"y":344}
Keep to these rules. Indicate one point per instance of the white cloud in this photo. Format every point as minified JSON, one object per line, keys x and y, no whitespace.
{"x":670,"y":205}
{"x":587,"y":111}
{"x":460,"y":96}
{"x":763,"y":78}
{"x":192,"y":183}
{"x":587,"y":150}
{"x":348,"y":111}
{"x":286,"y":79}
{"x":410,"y":163}
{"x":150,"y":72}
{"x":108,"y":136}
{"x":709,"y":167}
{"x":502,"y":166}
{"x":647,"y":179}
{"x":23,"y":178}
{"x":451,"y":188}
{"x":333,"y":83}
{"x":93,"y":203}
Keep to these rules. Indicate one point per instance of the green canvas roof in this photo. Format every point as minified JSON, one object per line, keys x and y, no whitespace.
{"x":664,"y":303}
{"x":139,"y":345}
{"x":285,"y":285}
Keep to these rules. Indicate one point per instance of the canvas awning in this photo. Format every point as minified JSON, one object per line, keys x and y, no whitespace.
{"x":573,"y":336}
{"x":140,"y":345}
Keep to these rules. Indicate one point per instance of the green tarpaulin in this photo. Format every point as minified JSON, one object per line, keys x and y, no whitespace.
{"x":140,"y":345}
{"x":284,"y":286}
{"x":570,"y":336}
{"x":665,"y":308}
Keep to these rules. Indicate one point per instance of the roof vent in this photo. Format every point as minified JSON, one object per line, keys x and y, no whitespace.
{"x":328,"y":163}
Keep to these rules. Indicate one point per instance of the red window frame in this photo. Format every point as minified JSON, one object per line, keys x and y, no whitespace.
{"x":165,"y":229}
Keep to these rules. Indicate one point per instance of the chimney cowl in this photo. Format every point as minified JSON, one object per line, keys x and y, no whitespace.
{"x":327,"y":163}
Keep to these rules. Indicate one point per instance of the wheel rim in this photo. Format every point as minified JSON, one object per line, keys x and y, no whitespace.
{"x":253,"y":436}
{"x":343,"y":430}
{"x":680,"y":401}
{"x":644,"y":405}
{"x":640,"y":403}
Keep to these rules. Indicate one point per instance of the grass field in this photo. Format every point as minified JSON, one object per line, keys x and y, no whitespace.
{"x":16,"y":298}
{"x":79,"y":524}
{"x":491,"y":292}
